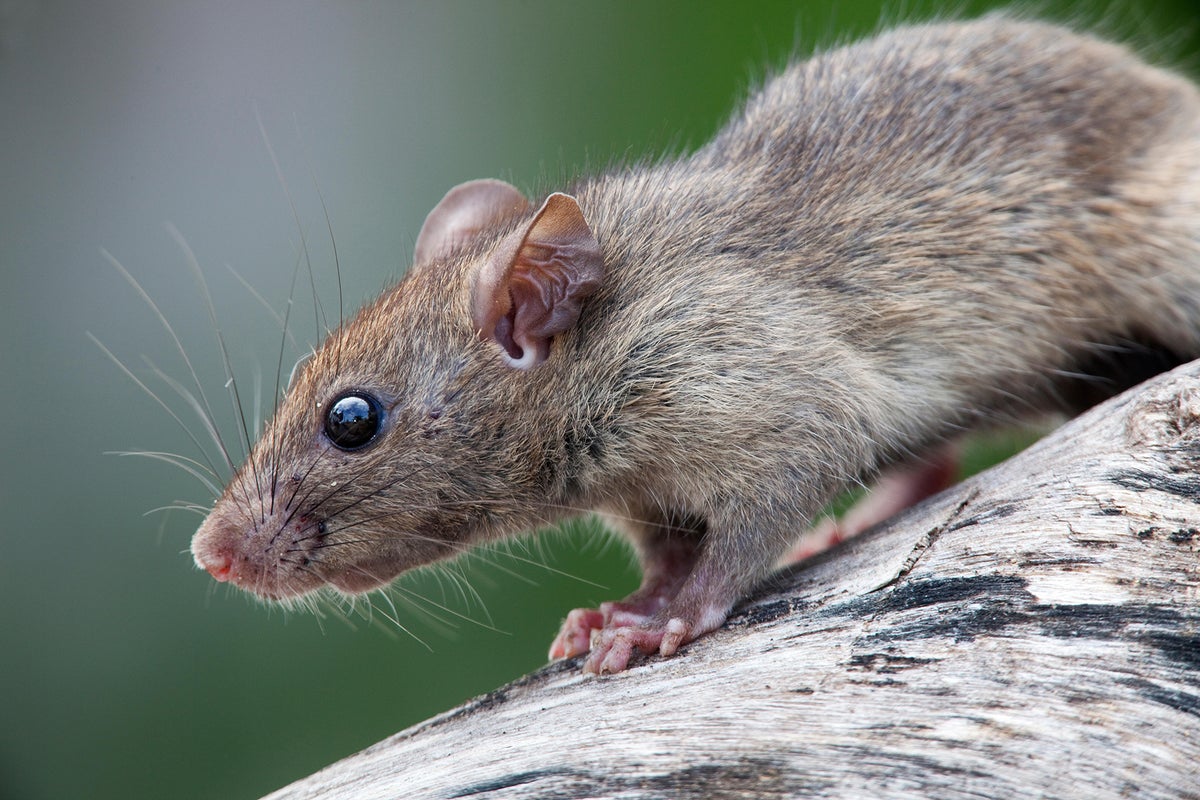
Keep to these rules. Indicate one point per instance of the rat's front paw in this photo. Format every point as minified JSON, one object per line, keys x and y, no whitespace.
{"x":613,"y":647}
{"x":575,"y":636}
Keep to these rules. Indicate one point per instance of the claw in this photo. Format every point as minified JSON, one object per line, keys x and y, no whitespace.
{"x":575,"y":637}
{"x":612,"y":648}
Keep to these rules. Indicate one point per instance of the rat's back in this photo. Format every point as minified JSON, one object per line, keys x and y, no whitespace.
{"x":970,"y":204}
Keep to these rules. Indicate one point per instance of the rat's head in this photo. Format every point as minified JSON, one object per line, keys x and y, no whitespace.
{"x":413,"y":430}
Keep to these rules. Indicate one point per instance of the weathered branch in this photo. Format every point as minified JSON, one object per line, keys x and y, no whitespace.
{"x":1033,"y":632}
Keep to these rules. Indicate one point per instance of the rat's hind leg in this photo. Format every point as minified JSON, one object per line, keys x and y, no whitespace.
{"x":898,"y":487}
{"x":668,"y":546}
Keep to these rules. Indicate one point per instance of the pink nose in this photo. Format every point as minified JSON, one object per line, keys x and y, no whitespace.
{"x":219,"y":565}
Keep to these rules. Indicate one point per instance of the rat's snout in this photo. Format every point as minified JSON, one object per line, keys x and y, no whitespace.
{"x":272,"y":554}
{"x":209,"y":554}
{"x":219,"y":565}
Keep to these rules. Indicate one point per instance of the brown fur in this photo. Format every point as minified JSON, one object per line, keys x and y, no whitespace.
{"x":893,"y":242}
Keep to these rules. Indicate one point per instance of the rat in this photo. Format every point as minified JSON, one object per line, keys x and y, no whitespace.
{"x":947,"y":226}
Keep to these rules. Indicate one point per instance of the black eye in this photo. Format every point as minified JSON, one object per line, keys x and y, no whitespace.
{"x":353,"y":420}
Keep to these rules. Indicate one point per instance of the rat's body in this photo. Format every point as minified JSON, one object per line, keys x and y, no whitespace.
{"x":894,"y":242}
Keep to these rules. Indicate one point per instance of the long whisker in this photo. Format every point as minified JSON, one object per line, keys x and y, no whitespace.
{"x":279,"y":320}
{"x":396,"y":621}
{"x":178,"y":506}
{"x":466,"y":591}
{"x":154,"y":396}
{"x":420,"y":598}
{"x":230,"y":381}
{"x":334,"y":491}
{"x":317,"y":308}
{"x":206,"y":407}
{"x":191,"y":400}
{"x":337,"y":268}
{"x":189,"y":465}
{"x":277,"y":441}
{"x":463,"y":548}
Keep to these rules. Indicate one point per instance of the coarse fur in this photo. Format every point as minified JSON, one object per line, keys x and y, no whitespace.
{"x":893,"y":242}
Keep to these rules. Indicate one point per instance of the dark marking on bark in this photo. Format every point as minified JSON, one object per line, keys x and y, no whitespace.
{"x":959,"y":609}
{"x":1186,"y":485}
{"x":762,"y":613}
{"x":744,"y":777}
{"x":741,"y":778}
{"x":1183,"y":535}
{"x":886,"y":663}
{"x":1185,"y":702}
{"x":916,"y":594}
{"x":1103,"y":621}
{"x":1102,"y":544}
{"x":1070,"y":564}
{"x":1182,"y":649}
{"x":999,"y":511}
{"x":962,"y":609}
{"x":509,"y":781}
{"x":901,"y":766}
{"x":481,"y":703}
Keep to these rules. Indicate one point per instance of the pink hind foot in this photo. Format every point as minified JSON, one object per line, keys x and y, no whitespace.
{"x":898,"y":488}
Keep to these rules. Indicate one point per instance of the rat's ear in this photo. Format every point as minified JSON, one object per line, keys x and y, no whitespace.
{"x":531,"y":286}
{"x":466,"y":210}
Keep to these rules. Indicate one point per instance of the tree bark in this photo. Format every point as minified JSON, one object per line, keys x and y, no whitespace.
{"x":1032,"y":632}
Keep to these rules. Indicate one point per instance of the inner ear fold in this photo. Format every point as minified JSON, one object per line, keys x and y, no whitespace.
{"x":530,"y":289}
{"x":466,"y":210}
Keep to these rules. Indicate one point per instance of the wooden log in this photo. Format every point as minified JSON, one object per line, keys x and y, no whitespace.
{"x":1032,"y":632}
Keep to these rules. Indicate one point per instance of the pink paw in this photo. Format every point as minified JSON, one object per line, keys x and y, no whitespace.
{"x":613,"y":647}
{"x":575,"y":636}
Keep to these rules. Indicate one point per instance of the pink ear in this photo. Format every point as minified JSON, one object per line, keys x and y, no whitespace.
{"x":466,"y":210}
{"x":530,"y":289}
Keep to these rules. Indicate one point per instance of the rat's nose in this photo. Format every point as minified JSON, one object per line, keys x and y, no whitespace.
{"x":218,"y":564}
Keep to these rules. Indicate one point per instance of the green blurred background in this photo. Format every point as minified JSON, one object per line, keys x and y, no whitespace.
{"x":125,"y":672}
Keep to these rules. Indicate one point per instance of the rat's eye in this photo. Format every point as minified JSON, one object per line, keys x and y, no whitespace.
{"x":353,"y":420}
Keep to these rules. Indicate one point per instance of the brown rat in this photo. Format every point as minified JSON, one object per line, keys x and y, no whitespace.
{"x":940,"y":227}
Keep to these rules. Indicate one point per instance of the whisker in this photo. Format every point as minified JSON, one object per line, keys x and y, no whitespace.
{"x":337,"y":268}
{"x":466,"y":590}
{"x":189,"y":465}
{"x":362,"y":498}
{"x":416,"y":597}
{"x":206,"y":412}
{"x":230,"y":380}
{"x":395,"y":619}
{"x":279,"y":320}
{"x":154,"y":396}
{"x":190,"y":399}
{"x":277,"y":442}
{"x":318,"y":311}
{"x":465,"y":548}
{"x":291,"y":501}
{"x":195,"y":509}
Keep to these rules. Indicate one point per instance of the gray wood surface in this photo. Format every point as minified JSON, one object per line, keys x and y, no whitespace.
{"x":1032,"y":632}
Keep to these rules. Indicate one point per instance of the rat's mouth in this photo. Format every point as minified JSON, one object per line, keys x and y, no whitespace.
{"x":358,"y":582}
{"x":283,"y":580}
{"x":282,"y":557}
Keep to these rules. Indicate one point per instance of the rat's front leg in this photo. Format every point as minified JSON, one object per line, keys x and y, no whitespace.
{"x":668,"y":547}
{"x":731,"y":554}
